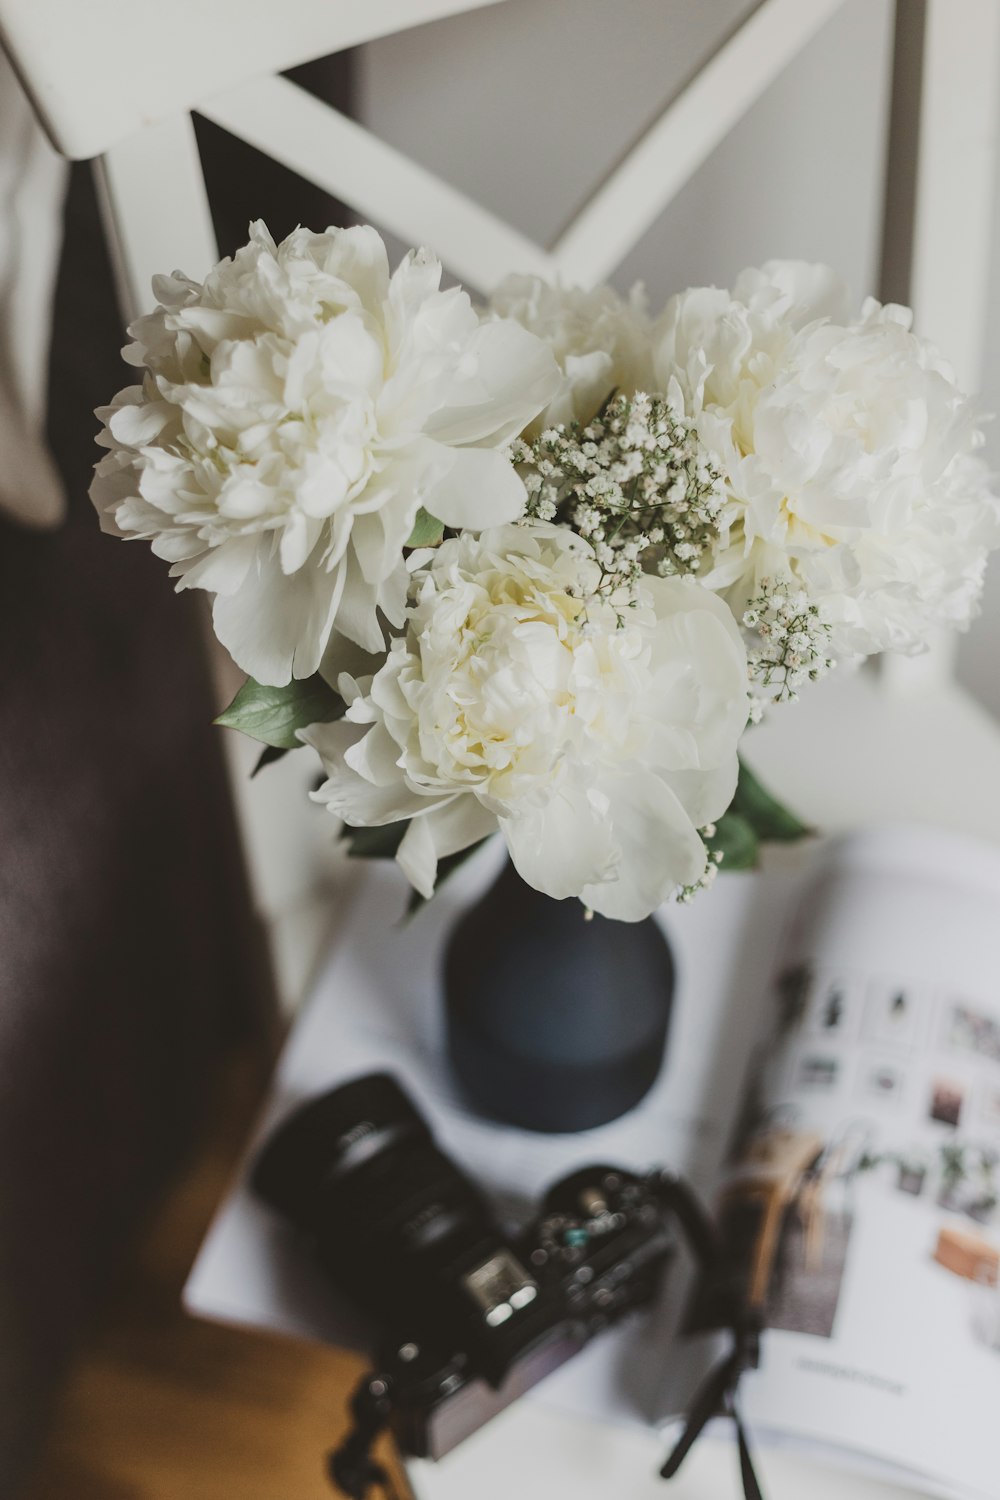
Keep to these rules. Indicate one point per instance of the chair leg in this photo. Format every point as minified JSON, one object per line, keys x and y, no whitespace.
{"x":764,"y":1253}
{"x":815,"y":1227}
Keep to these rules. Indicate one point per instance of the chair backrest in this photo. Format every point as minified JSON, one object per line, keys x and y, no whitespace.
{"x":101,"y":71}
{"x":118,"y":77}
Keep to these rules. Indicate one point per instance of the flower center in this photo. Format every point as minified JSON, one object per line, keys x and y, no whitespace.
{"x":802,"y":533}
{"x":533,"y":678}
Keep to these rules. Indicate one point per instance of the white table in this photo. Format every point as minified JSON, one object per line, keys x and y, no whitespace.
{"x":585,"y":1432}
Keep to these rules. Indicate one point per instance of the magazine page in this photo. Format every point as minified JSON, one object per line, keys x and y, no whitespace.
{"x":860,"y":1201}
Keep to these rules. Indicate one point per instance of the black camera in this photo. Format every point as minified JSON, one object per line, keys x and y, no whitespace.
{"x":470,"y":1317}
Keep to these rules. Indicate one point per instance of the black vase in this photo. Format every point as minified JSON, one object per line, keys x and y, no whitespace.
{"x":554,"y":1022}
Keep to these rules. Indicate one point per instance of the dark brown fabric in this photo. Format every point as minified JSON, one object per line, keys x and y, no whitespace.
{"x":126,"y":954}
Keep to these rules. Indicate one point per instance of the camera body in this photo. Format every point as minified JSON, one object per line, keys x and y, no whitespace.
{"x":597,"y":1250}
{"x":470,"y":1317}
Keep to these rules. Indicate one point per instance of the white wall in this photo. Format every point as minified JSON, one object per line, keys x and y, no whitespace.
{"x":526,"y":105}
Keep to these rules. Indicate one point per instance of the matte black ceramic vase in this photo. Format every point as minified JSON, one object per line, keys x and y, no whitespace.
{"x":554,"y":1022}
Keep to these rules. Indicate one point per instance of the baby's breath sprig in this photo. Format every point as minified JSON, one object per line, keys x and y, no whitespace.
{"x":636,"y":483}
{"x":795,"y":639}
{"x":713,"y":859}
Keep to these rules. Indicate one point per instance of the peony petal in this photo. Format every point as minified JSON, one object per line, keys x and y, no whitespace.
{"x":357,"y":615}
{"x":561,"y":846}
{"x":298,"y":538}
{"x":223,"y":570}
{"x":705,"y":795}
{"x":378,"y":539}
{"x":476,"y":488}
{"x":513,"y":378}
{"x":177,"y":546}
{"x":662,"y":848}
{"x":808,"y":290}
{"x":350,"y":356}
{"x":376,"y":757}
{"x":135,"y":425}
{"x":460,"y":823}
{"x":446,"y":829}
{"x":600,"y":342}
{"x":709,"y":698}
{"x":358,"y":257}
{"x":417,"y":857}
{"x":362,"y":805}
{"x":331,"y":741}
{"x":276,"y":627}
{"x":347,"y":794}
{"x":345,"y":656}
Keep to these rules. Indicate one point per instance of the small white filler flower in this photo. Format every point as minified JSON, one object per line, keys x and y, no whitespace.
{"x":295,"y":413}
{"x":598,"y":740}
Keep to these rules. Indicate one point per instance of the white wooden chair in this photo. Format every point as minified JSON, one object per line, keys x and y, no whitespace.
{"x":116,"y":79}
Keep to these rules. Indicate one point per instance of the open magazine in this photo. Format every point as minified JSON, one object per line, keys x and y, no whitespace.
{"x":832,"y":1086}
{"x":859,"y":1200}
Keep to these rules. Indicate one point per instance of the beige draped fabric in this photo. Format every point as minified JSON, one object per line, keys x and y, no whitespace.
{"x":32,"y":187}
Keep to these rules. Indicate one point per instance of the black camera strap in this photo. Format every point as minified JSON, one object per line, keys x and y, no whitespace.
{"x":351,"y":1467}
{"x":717,"y":1395}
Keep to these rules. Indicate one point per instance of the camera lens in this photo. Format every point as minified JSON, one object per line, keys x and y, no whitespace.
{"x":395,"y":1224}
{"x":328,"y":1139}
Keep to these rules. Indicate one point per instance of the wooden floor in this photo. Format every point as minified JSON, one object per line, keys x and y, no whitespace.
{"x":160,"y":1406}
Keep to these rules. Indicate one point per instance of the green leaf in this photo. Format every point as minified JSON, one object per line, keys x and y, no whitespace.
{"x":427,"y":530}
{"x":374,"y":843}
{"x":767,"y":818}
{"x":273,"y":714}
{"x":736,"y":841}
{"x":269,"y":754}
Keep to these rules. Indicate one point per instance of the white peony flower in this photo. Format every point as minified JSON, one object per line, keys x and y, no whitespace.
{"x":295,"y":413}
{"x":598,"y":741}
{"x":849,"y":455}
{"x":601,"y":343}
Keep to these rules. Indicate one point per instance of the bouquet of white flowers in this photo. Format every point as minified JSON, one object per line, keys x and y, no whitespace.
{"x":534,"y":567}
